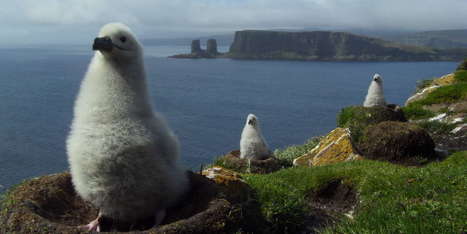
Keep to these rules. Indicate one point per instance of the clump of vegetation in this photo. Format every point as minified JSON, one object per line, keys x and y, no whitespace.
{"x":460,"y":76}
{"x":415,"y":111}
{"x":462,"y":66}
{"x":421,"y":84}
{"x":292,"y":152}
{"x":393,"y":199}
{"x":358,"y":118}
{"x":436,"y":127}
{"x":397,"y":142}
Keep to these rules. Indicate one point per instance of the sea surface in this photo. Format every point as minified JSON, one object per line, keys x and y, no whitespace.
{"x":205,"y":101}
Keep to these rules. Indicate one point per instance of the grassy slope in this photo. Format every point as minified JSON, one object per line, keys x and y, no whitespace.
{"x":446,"y":94}
{"x":394,"y":199}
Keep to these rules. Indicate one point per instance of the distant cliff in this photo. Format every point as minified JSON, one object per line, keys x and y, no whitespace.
{"x":329,"y":46}
{"x":441,"y":39}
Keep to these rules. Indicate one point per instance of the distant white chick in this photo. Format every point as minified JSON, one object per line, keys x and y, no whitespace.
{"x":375,"y":95}
{"x":252,"y":143}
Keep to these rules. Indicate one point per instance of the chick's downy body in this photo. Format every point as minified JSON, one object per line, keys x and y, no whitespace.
{"x":375,"y":95}
{"x":252,"y":143}
{"x":123,"y":156}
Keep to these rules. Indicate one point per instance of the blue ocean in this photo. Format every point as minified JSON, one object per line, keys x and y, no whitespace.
{"x":205,"y":101}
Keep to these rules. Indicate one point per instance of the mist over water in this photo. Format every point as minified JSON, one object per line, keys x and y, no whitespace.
{"x":205,"y":101}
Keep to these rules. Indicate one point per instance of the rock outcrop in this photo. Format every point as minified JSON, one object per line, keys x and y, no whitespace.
{"x":49,"y":204}
{"x":328,"y":46}
{"x":335,"y":147}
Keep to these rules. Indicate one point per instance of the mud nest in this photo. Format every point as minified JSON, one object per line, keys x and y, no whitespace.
{"x":49,"y":204}
{"x":233,"y":162}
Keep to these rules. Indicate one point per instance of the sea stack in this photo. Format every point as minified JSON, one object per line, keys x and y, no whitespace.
{"x":196,"y":47}
{"x":211,"y":48}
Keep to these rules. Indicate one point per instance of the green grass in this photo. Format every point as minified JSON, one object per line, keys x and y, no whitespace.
{"x":421,"y":84}
{"x":445,"y":94}
{"x":358,"y":118}
{"x":292,"y":152}
{"x":462,"y":65}
{"x":393,"y":199}
{"x":436,"y":127}
{"x":415,"y":111}
{"x":346,"y":114}
{"x":460,"y":76}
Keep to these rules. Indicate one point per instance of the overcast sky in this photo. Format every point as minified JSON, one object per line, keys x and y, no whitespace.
{"x":76,"y":21}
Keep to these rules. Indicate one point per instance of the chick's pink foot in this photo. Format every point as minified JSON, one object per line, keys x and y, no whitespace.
{"x":93,"y":225}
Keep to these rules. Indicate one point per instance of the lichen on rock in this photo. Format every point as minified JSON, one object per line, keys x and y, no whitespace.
{"x":336,"y":147}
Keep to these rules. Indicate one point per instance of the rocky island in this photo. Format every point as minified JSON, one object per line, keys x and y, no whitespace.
{"x":322,"y":46}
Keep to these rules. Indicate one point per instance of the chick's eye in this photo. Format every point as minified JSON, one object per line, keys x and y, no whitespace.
{"x":122,"y":39}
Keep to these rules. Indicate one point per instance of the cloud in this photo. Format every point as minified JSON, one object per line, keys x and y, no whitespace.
{"x":22,"y":20}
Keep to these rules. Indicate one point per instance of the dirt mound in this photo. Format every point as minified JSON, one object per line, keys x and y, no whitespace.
{"x":397,"y":142}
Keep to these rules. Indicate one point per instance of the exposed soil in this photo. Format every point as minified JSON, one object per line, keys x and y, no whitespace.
{"x":328,"y":204}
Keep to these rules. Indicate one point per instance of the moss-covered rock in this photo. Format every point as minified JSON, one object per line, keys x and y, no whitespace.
{"x":335,"y":147}
{"x":397,"y":142}
{"x":358,"y":118}
{"x":49,"y":204}
{"x":233,"y":161}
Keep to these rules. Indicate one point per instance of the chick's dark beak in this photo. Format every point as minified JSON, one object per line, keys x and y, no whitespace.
{"x":102,"y":44}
